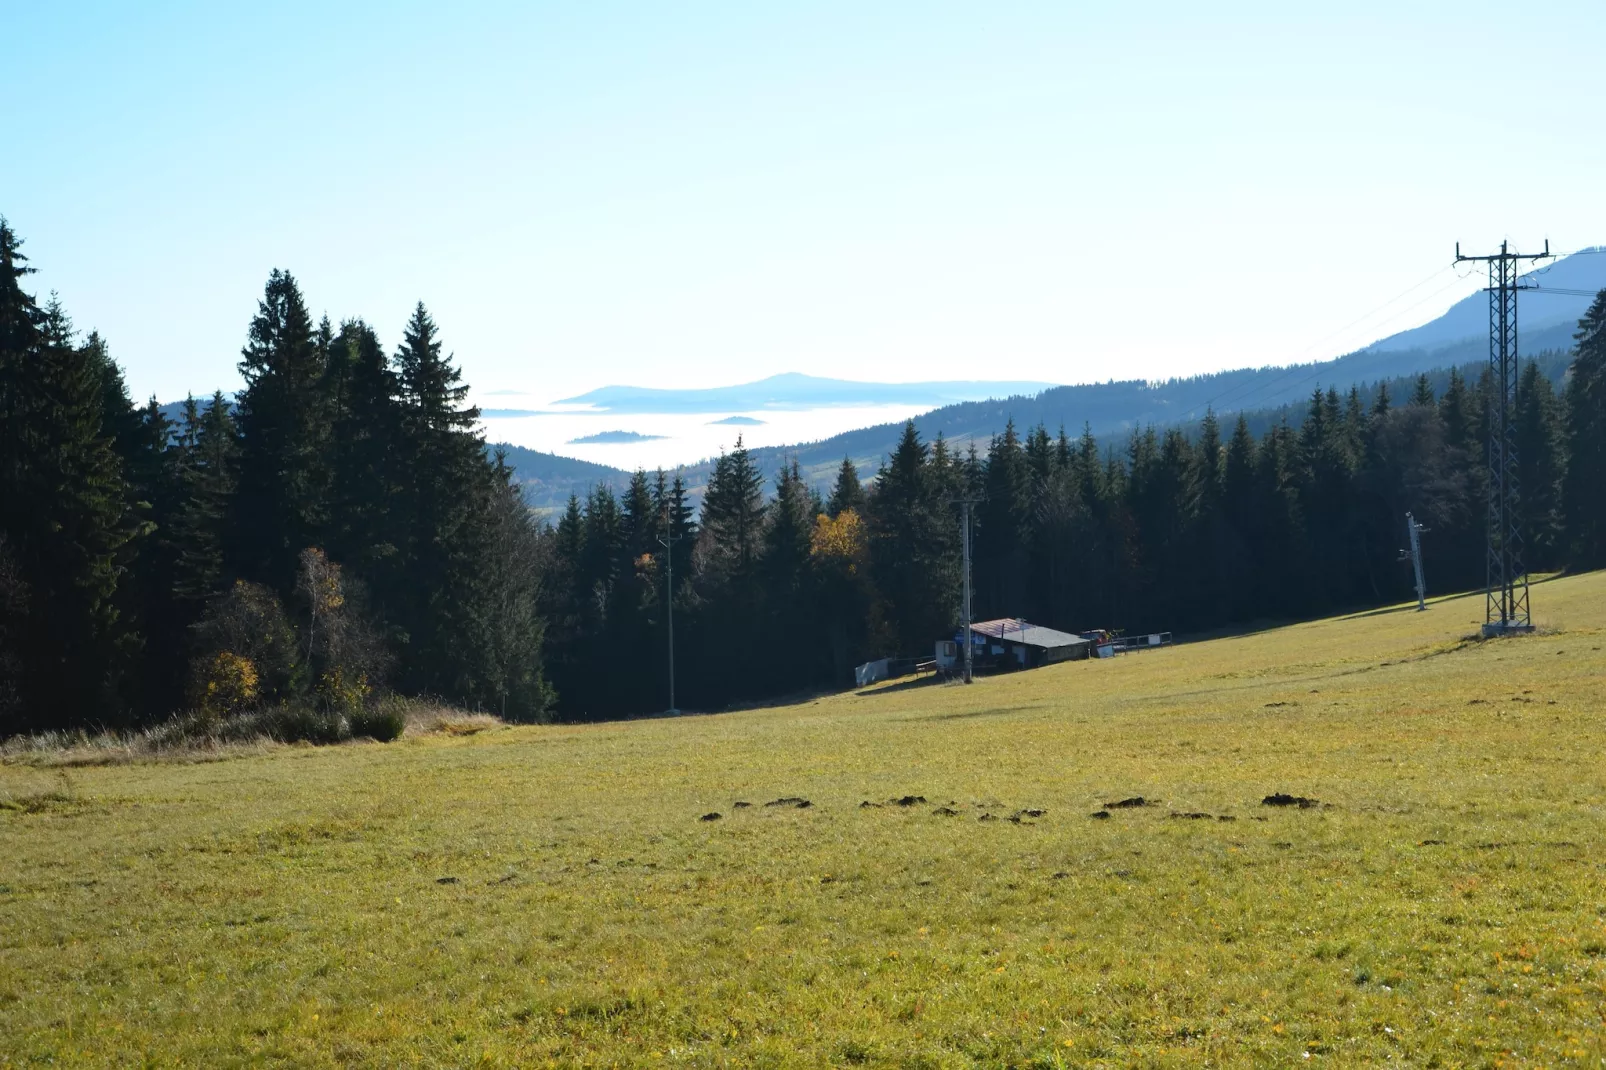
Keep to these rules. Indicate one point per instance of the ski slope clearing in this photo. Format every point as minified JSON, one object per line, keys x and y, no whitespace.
{"x":933,"y":876}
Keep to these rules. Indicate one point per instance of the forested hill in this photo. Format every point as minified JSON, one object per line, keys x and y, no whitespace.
{"x":1112,"y":410}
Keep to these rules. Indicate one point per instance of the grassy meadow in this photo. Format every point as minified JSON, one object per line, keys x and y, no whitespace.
{"x":552,"y":896}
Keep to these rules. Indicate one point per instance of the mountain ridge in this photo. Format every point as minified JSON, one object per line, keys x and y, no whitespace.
{"x":792,"y":390}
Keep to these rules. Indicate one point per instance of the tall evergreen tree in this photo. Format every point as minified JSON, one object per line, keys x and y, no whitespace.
{"x":365,"y":453}
{"x":209,"y":480}
{"x":847,"y":492}
{"x":284,"y":418}
{"x":1004,"y":528}
{"x":1540,"y":460}
{"x":789,"y":622}
{"x":67,"y":544}
{"x":913,"y":549}
{"x":447,"y":492}
{"x":1585,"y":505}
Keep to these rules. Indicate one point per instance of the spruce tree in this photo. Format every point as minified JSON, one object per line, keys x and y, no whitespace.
{"x":1004,"y":529}
{"x":284,"y":419}
{"x":366,"y":460}
{"x":445,"y":504}
{"x":1423,"y":394}
{"x":733,"y":515}
{"x":788,"y":612}
{"x":209,"y":479}
{"x":847,"y":492}
{"x":914,"y":543}
{"x":1540,"y":459}
{"x":67,"y":542}
{"x":1585,"y":505}
{"x":641,"y":528}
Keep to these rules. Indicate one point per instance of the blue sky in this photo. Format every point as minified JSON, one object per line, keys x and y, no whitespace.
{"x":705,"y":193}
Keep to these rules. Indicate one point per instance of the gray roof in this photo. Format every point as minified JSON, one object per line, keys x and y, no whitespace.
{"x":1020,"y":631}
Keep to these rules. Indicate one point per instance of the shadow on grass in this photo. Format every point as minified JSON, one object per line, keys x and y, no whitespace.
{"x":902,"y":685}
{"x":971,"y":714}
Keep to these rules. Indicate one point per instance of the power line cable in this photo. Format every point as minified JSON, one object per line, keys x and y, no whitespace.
{"x":1262,"y":389}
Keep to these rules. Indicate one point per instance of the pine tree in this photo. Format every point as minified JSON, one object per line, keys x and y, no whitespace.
{"x":284,"y":420}
{"x":1423,"y":394}
{"x":1585,"y":505}
{"x":209,"y":479}
{"x":1004,"y":529}
{"x":788,"y":612}
{"x":1238,"y":509}
{"x":68,"y":542}
{"x":641,"y":527}
{"x":1455,"y":408}
{"x":446,"y":502}
{"x":847,"y":492}
{"x":914,"y":542}
{"x":733,"y":517}
{"x":365,"y":453}
{"x":513,"y":633}
{"x":1540,"y":459}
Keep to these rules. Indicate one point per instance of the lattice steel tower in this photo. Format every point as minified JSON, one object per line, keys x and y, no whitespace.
{"x":1506,"y":598}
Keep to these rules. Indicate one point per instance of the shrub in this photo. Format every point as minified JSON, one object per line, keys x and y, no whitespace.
{"x":249,"y":622}
{"x":305,"y":724}
{"x":341,"y":691}
{"x":384,"y":721}
{"x":226,"y":684}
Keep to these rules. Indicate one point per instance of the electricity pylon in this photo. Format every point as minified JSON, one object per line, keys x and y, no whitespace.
{"x":1506,"y":590}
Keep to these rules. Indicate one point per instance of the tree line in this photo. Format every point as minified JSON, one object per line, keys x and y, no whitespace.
{"x":338,"y":533}
{"x":342,"y":531}
{"x":1177,"y":531}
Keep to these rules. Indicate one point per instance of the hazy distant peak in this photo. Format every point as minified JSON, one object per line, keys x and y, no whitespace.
{"x":1536,"y":310}
{"x":795,"y":390}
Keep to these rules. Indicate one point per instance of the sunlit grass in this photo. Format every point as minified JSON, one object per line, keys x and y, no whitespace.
{"x":538,"y":896}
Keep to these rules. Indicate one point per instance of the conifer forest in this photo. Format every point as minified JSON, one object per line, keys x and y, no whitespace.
{"x":340,"y":532}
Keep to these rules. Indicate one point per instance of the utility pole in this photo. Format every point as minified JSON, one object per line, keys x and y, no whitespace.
{"x":1506,"y":590}
{"x":1413,"y":532}
{"x":668,"y":542}
{"x":964,"y":608}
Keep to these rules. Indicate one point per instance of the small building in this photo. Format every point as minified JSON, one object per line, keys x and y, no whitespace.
{"x":1011,"y":643}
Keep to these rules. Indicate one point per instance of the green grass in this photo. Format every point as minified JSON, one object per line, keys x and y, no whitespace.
{"x":549,"y":896}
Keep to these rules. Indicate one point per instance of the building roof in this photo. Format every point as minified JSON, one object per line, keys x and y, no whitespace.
{"x":1020,"y":631}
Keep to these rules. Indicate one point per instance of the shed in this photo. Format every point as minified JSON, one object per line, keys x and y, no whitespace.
{"x":1011,"y":638}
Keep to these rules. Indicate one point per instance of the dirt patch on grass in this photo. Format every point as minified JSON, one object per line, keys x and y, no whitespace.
{"x":1130,"y":804}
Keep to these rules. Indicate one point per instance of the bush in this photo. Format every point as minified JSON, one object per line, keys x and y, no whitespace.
{"x":247,"y":622}
{"x":225,"y":685}
{"x":385,"y":720}
{"x":303,"y":724}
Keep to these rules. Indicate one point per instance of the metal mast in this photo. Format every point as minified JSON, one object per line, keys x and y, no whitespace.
{"x":668,"y":542}
{"x":1506,"y":590}
{"x":1414,"y":531}
{"x":965,"y":609}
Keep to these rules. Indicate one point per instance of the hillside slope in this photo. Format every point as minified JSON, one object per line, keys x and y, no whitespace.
{"x":554,"y":895}
{"x":1264,"y":396}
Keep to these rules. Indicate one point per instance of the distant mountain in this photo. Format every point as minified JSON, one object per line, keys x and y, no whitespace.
{"x":1113,"y":409}
{"x":603,"y":438}
{"x":1538,"y":313}
{"x":793,"y":391}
